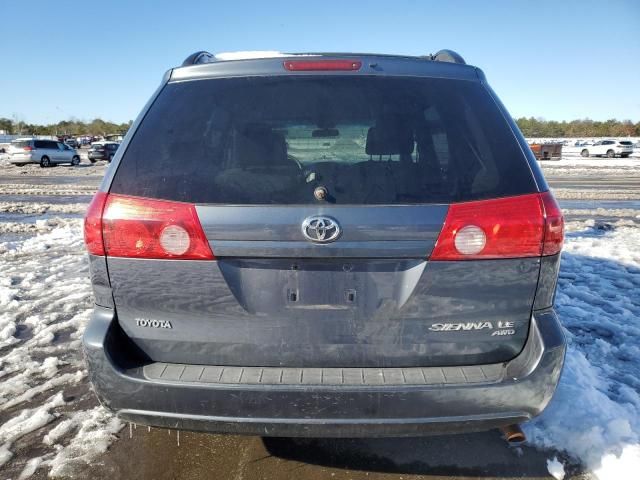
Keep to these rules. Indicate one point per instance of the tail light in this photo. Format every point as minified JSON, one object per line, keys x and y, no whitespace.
{"x":133,"y":227}
{"x":93,"y":224}
{"x":27,"y":149}
{"x":554,"y":225}
{"x":513,"y":227}
{"x":322,"y":65}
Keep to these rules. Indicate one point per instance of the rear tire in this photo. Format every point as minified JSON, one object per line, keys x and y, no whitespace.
{"x":92,"y":160}
{"x":75,"y":160}
{"x":584,"y":153}
{"x":624,"y":155}
{"x":45,"y":162}
{"x":611,"y":153}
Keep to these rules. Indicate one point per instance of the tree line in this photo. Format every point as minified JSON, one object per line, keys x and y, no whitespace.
{"x":537,"y":127}
{"x":531,"y":127}
{"x":65,"y":127}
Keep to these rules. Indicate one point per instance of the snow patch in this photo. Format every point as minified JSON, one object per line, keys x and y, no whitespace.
{"x":595,"y":413}
{"x":45,"y":302}
{"x":29,"y":420}
{"x":5,"y":453}
{"x":97,"y":430}
{"x":556,"y":469}
{"x":625,"y":465}
{"x":30,"y":468}
{"x":249,"y":54}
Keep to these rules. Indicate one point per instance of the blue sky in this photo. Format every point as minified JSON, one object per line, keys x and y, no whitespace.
{"x":553,"y":59}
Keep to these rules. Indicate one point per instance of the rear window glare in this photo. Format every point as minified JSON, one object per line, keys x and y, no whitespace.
{"x":367,"y":140}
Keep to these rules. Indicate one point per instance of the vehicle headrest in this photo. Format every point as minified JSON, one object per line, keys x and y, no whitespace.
{"x":261,"y":146}
{"x":389,"y":138}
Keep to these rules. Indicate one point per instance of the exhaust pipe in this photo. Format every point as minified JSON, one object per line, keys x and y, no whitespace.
{"x":513,"y":434}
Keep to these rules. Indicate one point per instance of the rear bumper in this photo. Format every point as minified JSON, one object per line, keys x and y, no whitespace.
{"x":521,"y":390}
{"x":22,"y":158}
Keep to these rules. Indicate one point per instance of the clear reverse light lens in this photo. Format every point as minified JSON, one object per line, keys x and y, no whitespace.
{"x":470,"y":240}
{"x":175,"y":240}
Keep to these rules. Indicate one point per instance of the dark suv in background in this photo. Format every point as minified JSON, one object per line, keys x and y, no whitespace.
{"x":102,"y":151}
{"x":327,"y":245}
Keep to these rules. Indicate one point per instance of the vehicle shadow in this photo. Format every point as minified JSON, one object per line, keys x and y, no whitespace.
{"x":484,"y":454}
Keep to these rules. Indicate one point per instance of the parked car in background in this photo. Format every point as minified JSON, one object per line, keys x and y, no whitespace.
{"x":324,"y":248}
{"x":547,"y":151}
{"x":114,"y":137}
{"x":610,"y":148}
{"x":71,"y":142}
{"x":44,"y":152}
{"x":102,"y":151}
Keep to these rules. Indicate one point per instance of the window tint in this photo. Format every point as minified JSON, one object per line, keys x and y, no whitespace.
{"x":367,"y":140}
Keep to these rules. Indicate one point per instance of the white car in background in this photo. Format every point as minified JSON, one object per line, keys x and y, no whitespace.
{"x":610,"y":148}
{"x":44,"y":152}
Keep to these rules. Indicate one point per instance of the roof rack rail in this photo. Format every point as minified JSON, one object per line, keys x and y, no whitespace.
{"x":198,"y":57}
{"x":448,"y":56}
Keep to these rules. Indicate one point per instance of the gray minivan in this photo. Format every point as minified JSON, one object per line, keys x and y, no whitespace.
{"x":324,"y":245}
{"x":44,"y":152}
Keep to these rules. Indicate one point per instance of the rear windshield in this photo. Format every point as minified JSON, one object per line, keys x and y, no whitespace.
{"x":366,"y":140}
{"x":20,"y":143}
{"x":625,"y":143}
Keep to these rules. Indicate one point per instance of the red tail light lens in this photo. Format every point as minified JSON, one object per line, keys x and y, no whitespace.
{"x":136,"y":227}
{"x":502,"y":228}
{"x":320,"y":65}
{"x":554,"y":225}
{"x":27,"y":149}
{"x":93,"y":224}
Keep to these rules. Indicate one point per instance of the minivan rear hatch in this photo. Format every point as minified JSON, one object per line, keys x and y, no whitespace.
{"x":322,"y":198}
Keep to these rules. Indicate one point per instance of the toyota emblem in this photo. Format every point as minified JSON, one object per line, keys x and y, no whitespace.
{"x":321,"y":229}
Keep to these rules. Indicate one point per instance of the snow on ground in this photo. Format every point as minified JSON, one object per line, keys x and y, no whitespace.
{"x":40,"y":208}
{"x":556,"y":469}
{"x":84,"y":169}
{"x":596,"y":167}
{"x":609,"y":193}
{"x":33,"y":189}
{"x":45,"y":302}
{"x":595,"y":413}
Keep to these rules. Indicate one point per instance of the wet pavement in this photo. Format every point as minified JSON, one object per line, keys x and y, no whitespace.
{"x":144,"y":453}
